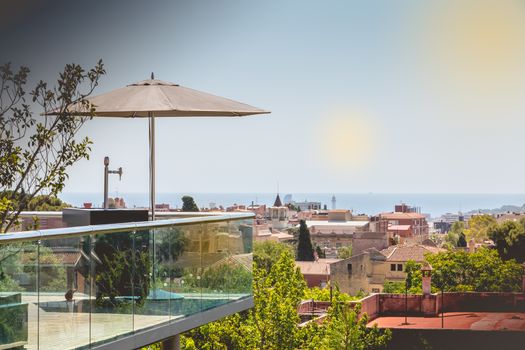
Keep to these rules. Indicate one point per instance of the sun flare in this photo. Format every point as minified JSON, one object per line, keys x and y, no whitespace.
{"x":347,"y":140}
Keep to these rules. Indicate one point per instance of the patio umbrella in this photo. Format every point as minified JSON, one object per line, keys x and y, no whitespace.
{"x":156,"y":98}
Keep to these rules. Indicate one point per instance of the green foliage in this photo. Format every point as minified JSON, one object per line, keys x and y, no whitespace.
{"x":482,"y":271}
{"x":452,"y":237}
{"x":320,"y":253}
{"x":36,"y":152}
{"x":478,"y":227}
{"x":266,"y":254}
{"x":394,"y":287}
{"x":305,"y":250}
{"x":8,"y":284}
{"x":344,"y":252}
{"x":459,"y":271}
{"x":273,"y":324}
{"x":13,"y":323}
{"x":343,"y":329}
{"x":225,"y":277}
{"x":46,"y":203}
{"x":509,"y":238}
{"x":187,"y":343}
{"x":324,"y":294}
{"x":125,"y":268}
{"x":188,"y":204}
{"x":462,"y":241}
{"x":171,"y":243}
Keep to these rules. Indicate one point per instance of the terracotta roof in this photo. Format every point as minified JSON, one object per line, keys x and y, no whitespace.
{"x":405,"y":252}
{"x":53,"y":258}
{"x":399,"y":215}
{"x":319,"y":267}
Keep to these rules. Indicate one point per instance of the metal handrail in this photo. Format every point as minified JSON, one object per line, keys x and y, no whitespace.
{"x":15,"y":237}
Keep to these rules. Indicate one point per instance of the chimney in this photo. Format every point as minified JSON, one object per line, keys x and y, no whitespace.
{"x":471,"y":245}
{"x":426,"y":274}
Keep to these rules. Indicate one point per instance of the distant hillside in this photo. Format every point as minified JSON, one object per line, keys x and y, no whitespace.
{"x":503,"y":209}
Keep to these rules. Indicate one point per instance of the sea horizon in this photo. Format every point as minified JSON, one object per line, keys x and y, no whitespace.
{"x":434,"y":204}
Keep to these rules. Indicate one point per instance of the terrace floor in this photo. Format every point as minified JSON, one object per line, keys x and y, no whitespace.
{"x":482,"y":321}
{"x":70,"y":330}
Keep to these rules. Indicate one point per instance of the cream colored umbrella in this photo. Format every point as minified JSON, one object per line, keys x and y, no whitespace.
{"x":155,"y":98}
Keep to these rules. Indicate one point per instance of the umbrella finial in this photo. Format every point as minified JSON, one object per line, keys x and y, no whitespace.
{"x":152,"y":76}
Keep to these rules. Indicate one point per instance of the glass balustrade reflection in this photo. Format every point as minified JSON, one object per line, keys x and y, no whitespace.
{"x":19,"y":295}
{"x":64,"y":292}
{"x":88,"y":289}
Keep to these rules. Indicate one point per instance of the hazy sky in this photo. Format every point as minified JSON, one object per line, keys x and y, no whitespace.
{"x":366,"y":96}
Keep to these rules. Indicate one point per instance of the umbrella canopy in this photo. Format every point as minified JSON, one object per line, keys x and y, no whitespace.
{"x":165,"y":99}
{"x":156,"y":98}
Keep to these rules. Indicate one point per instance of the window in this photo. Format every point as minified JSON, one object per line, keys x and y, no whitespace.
{"x":392,"y":267}
{"x":349,"y":267}
{"x":399,"y":267}
{"x":338,"y":245}
{"x":375,"y":290}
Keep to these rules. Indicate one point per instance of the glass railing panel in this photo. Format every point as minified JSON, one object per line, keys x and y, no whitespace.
{"x":80,"y":288}
{"x":64,"y":284}
{"x":216,"y":266}
{"x":170,"y":243}
{"x":114,"y":276}
{"x":151,"y":284}
{"x":184,"y":258}
{"x":19,"y":295}
{"x":241,"y":257}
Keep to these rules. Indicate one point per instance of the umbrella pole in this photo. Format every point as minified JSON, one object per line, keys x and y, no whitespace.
{"x":151,"y":119}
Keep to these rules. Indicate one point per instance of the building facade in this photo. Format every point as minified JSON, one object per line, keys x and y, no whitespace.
{"x":367,"y":272}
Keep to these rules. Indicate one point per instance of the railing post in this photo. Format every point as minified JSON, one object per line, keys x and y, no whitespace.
{"x":172,"y":343}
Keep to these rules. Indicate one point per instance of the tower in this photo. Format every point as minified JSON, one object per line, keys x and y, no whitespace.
{"x":333,"y":202}
{"x":278,"y":214}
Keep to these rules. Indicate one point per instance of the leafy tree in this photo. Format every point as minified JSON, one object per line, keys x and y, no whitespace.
{"x":324,"y":294}
{"x":188,"y":204}
{"x":344,"y":252}
{"x":462,"y":241}
{"x":509,"y":238}
{"x":224,"y":277}
{"x":344,"y":329}
{"x":394,"y":287}
{"x":124,"y":270}
{"x":412,"y":280}
{"x":273,"y":324}
{"x":478,"y":227}
{"x":46,"y":203}
{"x":35,"y":152}
{"x":172,"y":243}
{"x":413,"y":275}
{"x":305,"y":251}
{"x":452,"y":237}
{"x":320,"y":253}
{"x":481,"y":271}
{"x":267,"y":253}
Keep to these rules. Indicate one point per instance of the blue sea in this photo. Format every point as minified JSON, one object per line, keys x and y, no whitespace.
{"x":368,"y":203}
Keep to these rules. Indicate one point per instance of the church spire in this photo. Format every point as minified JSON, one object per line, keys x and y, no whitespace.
{"x":278,"y":202}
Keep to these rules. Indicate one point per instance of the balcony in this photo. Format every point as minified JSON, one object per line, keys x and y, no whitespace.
{"x":122,"y":285}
